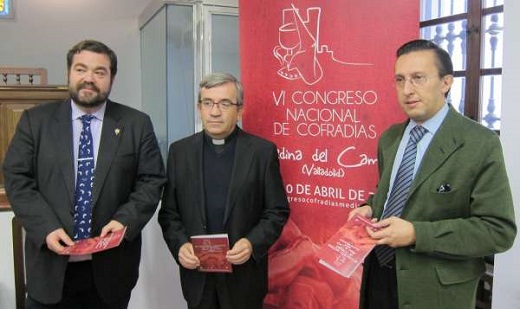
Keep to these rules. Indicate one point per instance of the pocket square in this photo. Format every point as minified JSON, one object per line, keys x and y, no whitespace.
{"x":444,"y":188}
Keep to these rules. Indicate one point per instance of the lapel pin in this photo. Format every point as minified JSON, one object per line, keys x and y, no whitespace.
{"x":117,"y":131}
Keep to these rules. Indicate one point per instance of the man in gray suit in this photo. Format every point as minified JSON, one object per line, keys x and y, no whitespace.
{"x":40,"y":179}
{"x":457,"y":207}
{"x":223,"y":180}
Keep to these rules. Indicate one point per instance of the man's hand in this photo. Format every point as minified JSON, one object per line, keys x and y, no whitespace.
{"x":56,"y":239}
{"x":112,"y":226}
{"x":187,"y":257}
{"x":363,"y":211}
{"x":394,"y":232}
{"x":240,"y":253}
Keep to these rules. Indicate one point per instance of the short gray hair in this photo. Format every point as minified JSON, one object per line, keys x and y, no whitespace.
{"x":216,"y":79}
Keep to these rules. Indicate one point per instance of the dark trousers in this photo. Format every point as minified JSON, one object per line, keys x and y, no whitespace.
{"x":381,"y":287}
{"x":79,"y":291}
{"x":215,"y":294}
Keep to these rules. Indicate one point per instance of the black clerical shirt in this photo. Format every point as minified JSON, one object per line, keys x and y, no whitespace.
{"x":217,"y":167}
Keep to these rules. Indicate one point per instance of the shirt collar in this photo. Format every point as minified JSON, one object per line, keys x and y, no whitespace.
{"x":432,"y":124}
{"x":77,"y":112}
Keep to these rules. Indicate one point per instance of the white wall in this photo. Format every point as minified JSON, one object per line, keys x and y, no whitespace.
{"x":7,"y":292}
{"x":506,"y":286}
{"x":43,"y":31}
{"x":159,"y":285}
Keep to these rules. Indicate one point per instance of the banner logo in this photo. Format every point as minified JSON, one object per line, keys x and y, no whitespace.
{"x":299,"y":46}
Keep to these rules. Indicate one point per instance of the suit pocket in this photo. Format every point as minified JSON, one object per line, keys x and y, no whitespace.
{"x":458,"y":283}
{"x":444,"y":198}
{"x":459,"y":272}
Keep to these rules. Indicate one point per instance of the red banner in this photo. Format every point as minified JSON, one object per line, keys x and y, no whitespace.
{"x":318,"y":82}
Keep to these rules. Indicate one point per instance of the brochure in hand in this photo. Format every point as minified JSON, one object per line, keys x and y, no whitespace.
{"x":211,"y":250}
{"x":348,"y":247}
{"x":95,"y":244}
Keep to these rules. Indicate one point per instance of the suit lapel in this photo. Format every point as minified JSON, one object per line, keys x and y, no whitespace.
{"x":62,"y":130}
{"x":442,"y":146}
{"x":243,"y":161}
{"x":195,"y":163}
{"x":111,"y":134}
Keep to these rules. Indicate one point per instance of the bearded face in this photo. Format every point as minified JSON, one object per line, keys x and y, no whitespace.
{"x":89,"y":79}
{"x":87,"y":94}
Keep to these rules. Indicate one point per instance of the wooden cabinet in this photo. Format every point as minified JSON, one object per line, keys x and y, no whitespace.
{"x":13,"y":101}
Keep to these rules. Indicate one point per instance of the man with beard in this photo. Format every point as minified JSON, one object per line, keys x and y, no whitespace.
{"x":114,"y":153}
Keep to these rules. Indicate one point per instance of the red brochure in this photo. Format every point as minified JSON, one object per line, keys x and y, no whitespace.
{"x":348,"y":247}
{"x":95,"y":244}
{"x":211,"y":250}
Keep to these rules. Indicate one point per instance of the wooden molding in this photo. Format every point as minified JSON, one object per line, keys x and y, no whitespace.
{"x":23,"y":76}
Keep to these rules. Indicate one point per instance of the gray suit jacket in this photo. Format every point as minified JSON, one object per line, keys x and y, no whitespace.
{"x":39,"y":180}
{"x":256,"y":208}
{"x":455,"y":229}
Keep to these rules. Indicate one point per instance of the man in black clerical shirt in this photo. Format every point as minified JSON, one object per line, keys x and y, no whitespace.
{"x":223,"y":180}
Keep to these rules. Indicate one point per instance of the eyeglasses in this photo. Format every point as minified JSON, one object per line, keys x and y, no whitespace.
{"x":416,"y":80}
{"x":223,"y":104}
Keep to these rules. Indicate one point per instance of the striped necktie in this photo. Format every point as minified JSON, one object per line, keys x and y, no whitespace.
{"x":400,"y":189}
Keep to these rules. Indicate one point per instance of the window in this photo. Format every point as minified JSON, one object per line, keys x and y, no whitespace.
{"x":6,"y":8}
{"x":472,"y":32}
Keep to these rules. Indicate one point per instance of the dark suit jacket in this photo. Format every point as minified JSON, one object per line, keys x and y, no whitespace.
{"x":39,"y":181}
{"x":455,"y":229}
{"x":256,"y":208}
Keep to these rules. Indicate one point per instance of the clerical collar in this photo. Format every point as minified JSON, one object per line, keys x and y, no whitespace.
{"x":222,"y":142}
{"x":218,"y":141}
